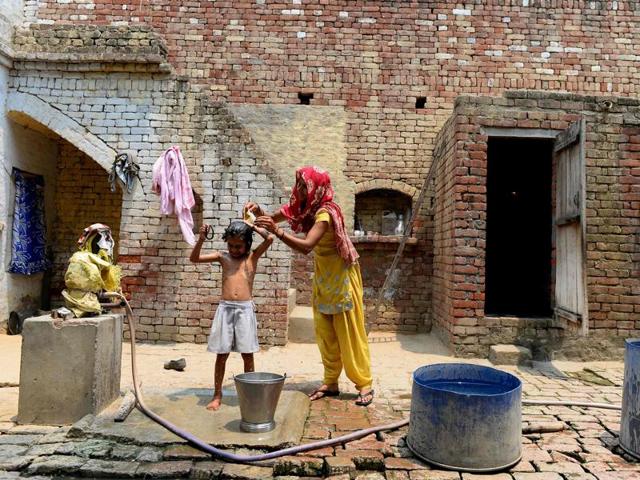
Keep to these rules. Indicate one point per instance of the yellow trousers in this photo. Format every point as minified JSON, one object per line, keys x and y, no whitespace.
{"x":342,"y":340}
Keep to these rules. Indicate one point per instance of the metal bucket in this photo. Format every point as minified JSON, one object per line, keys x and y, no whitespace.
{"x":16,"y":320}
{"x":466,"y":417}
{"x":630,"y":417}
{"x":258,"y":395}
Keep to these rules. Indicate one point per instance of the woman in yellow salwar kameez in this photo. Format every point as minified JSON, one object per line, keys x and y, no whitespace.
{"x":338,"y":309}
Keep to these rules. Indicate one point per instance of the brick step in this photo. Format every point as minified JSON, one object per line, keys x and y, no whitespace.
{"x":301,"y":325}
{"x":509,"y":355}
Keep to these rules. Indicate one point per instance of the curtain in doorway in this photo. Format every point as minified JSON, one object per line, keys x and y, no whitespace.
{"x":28,"y":248}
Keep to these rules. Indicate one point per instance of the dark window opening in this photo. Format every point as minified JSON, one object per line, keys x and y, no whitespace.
{"x":421,"y":102}
{"x":519,"y":222}
{"x":305,"y":98}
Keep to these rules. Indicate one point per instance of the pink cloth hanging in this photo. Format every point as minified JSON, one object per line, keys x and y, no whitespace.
{"x":171,"y":182}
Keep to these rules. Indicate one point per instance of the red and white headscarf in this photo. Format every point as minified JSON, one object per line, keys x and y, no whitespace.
{"x":300,"y":212}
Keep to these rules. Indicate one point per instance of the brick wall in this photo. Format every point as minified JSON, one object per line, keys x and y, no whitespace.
{"x":372,"y":59}
{"x":406,"y":304}
{"x":375,"y":58}
{"x":248,"y":176}
{"x":174,"y":299}
{"x":612,"y":219}
{"x":89,"y":43}
{"x":82,"y":197}
{"x":444,"y":221}
{"x":291,"y":136}
{"x":301,"y":277}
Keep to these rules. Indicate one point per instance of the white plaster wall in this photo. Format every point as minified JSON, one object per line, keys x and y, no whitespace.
{"x":13,"y":10}
{"x":31,"y":151}
{"x":4,"y":194}
{"x":11,"y":13}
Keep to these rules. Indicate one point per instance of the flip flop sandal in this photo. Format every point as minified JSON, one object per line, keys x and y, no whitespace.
{"x":323,"y":393}
{"x":361,"y":402}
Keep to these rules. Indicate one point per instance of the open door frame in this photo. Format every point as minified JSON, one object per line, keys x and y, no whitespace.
{"x":571,"y":302}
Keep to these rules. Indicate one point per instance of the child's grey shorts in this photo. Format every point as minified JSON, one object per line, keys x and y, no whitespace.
{"x":234,"y":328}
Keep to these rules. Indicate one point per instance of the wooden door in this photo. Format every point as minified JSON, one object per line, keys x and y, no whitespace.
{"x":570,"y":275}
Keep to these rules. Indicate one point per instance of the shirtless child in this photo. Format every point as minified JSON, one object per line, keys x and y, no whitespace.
{"x":234,"y":326}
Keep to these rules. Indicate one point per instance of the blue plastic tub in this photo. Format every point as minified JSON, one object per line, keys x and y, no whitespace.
{"x":466,"y":417}
{"x":630,"y":417}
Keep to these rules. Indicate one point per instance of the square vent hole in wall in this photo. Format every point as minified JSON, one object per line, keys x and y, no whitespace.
{"x":305,"y":98}
{"x":381,"y":212}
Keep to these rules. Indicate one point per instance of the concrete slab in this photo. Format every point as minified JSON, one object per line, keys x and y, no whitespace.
{"x":8,"y":404}
{"x":292,"y":294}
{"x":301,"y":327}
{"x":509,"y":355}
{"x":10,"y":360}
{"x":68,"y":369}
{"x":186,"y":409}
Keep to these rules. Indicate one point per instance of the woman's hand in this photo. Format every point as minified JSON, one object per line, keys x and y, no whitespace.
{"x":267,"y":223}
{"x":254,"y":208}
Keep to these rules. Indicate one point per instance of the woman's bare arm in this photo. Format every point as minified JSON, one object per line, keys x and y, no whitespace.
{"x":303,"y":245}
{"x":310,"y":240}
{"x":254,"y":208}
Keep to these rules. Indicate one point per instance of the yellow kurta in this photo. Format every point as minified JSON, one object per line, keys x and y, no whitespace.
{"x":338,"y":312}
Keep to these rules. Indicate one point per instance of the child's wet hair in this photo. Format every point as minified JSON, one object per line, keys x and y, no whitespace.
{"x":239,"y":229}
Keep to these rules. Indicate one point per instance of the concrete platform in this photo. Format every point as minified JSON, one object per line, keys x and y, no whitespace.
{"x":301,"y":327}
{"x":510,"y":355}
{"x":8,"y":404}
{"x":68,"y":368}
{"x":186,"y":409}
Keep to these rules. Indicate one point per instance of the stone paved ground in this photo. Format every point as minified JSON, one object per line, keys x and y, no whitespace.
{"x":585,"y":450}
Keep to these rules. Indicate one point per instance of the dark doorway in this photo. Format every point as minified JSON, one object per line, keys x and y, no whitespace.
{"x":518,"y":262}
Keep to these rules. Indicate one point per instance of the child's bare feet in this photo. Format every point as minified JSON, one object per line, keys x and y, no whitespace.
{"x":215,"y":403}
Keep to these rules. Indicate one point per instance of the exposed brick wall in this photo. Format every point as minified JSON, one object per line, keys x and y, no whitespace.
{"x":174,"y":299}
{"x":444,"y":222}
{"x":406,"y":304}
{"x":90,"y":43}
{"x":301,"y":277}
{"x":292,"y":136}
{"x":371,"y":58}
{"x":376,"y":57}
{"x":612,"y":218}
{"x":178,"y":299}
{"x":82,"y":197}
{"x":248,"y":176}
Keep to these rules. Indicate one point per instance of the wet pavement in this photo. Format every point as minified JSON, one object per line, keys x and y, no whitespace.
{"x":586,"y":447}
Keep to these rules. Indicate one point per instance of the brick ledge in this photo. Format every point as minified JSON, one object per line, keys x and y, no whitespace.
{"x":382,"y":239}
